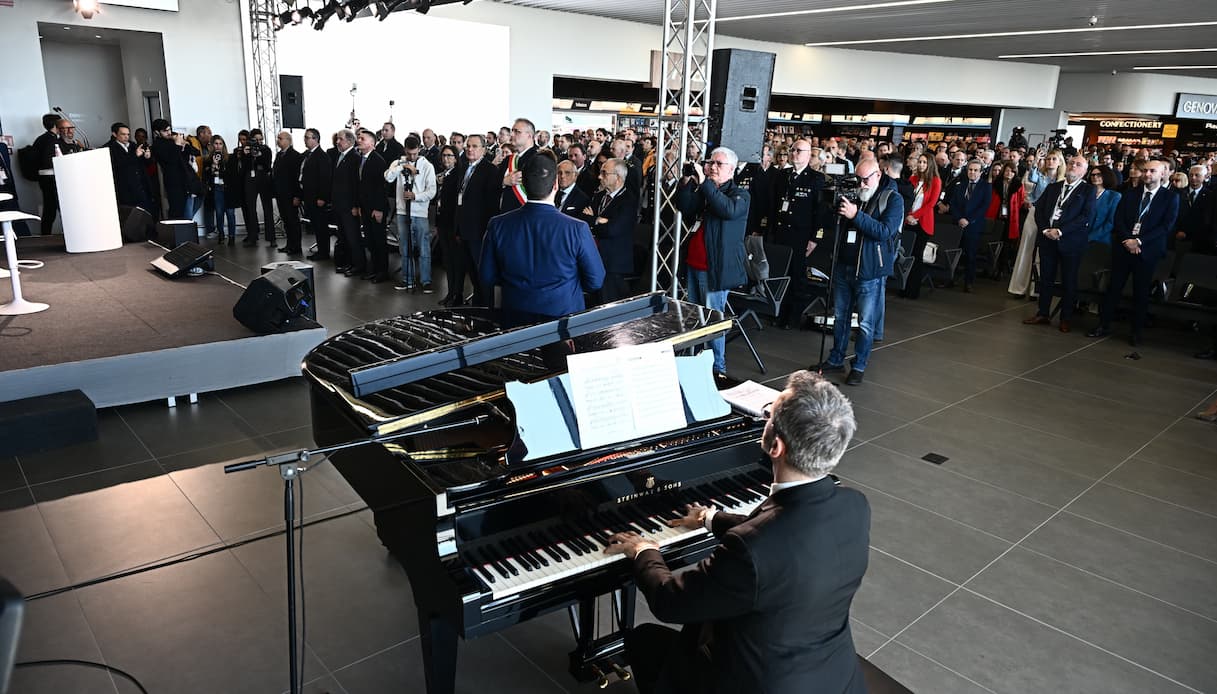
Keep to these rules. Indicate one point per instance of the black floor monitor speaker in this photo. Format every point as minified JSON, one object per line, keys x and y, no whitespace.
{"x":275,"y":302}
{"x":175,"y":232}
{"x":291,"y":90}
{"x":136,"y":223}
{"x":740,"y":82}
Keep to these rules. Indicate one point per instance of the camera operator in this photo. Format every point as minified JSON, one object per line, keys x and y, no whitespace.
{"x":414,"y":180}
{"x":175,"y":159}
{"x":1017,"y":139}
{"x":254,"y":163}
{"x":871,"y":234}
{"x":800,"y":226}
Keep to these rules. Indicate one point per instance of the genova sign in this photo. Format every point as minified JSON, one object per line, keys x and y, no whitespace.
{"x":1203,"y":106}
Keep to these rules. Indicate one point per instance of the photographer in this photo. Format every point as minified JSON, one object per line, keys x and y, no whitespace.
{"x":175,"y":159}
{"x":415,"y":187}
{"x":254,"y":162}
{"x":864,"y":258}
{"x":131,"y":186}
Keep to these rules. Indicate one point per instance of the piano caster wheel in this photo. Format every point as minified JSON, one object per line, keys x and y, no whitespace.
{"x":622,"y":674}
{"x":602,"y":680}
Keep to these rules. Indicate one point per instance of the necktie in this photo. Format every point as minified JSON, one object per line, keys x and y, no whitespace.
{"x":604,"y":202}
{"x":559,"y":199}
{"x":363,"y":159}
{"x":1194,"y":194}
{"x":1145,"y":201}
{"x":968,"y":195}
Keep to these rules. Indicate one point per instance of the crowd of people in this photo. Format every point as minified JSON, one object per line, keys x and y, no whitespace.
{"x":1040,"y":206}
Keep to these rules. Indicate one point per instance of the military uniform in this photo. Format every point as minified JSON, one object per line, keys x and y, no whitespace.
{"x":797,"y":218}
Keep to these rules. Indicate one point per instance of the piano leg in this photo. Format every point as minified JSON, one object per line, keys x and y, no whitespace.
{"x":439,"y":639}
{"x":597,"y":659}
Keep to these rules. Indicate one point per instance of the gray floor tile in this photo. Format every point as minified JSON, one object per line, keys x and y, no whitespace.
{"x":487,"y":664}
{"x":1183,"y":447}
{"x":1183,"y":488}
{"x":870,"y":423}
{"x":963,"y":430}
{"x":95,"y":481}
{"x":930,"y":541}
{"x":1169,"y":641}
{"x":10,"y":474}
{"x":866,"y":639}
{"x":1169,"y":352}
{"x":1150,"y":518}
{"x":973,"y":454}
{"x":1164,"y":572}
{"x":920,"y":674}
{"x":120,"y":527}
{"x":358,"y":598}
{"x":893,"y":593}
{"x":116,"y":445}
{"x":226,"y":452}
{"x":1156,"y":391}
{"x":987,"y":351}
{"x":891,"y":402}
{"x":1009,"y":653}
{"x":170,"y":430}
{"x":272,"y":406}
{"x":204,"y":626}
{"x":1118,"y":426}
{"x":55,"y":628}
{"x":27,"y":553}
{"x":57,"y":679}
{"x":938,"y":379}
{"x":934,"y":487}
{"x":242,"y":504}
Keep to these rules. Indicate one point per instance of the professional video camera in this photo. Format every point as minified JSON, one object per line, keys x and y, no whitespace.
{"x":1057,"y":141}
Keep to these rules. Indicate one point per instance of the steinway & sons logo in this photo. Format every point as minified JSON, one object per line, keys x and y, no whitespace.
{"x":650,"y":486}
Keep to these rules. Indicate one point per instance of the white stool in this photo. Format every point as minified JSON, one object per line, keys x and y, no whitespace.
{"x":18,"y":306}
{"x":4,"y":197}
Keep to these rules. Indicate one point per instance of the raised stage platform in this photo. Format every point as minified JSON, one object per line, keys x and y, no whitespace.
{"x":123,"y":333}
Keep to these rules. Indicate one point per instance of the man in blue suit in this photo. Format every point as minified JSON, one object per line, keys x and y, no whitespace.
{"x":969,"y":202}
{"x":1143,"y":223}
{"x":1062,"y":216}
{"x":543,"y":260}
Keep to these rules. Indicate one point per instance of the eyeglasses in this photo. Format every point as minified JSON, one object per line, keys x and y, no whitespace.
{"x":805,"y":151}
{"x":717,"y":163}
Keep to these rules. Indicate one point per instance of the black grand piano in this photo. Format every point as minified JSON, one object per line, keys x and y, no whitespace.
{"x":487,"y":539}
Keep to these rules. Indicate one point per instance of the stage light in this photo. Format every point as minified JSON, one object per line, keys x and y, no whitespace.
{"x":323,"y":15}
{"x":281,"y":19}
{"x":86,"y":8}
{"x":352,"y":8}
{"x":301,"y":14}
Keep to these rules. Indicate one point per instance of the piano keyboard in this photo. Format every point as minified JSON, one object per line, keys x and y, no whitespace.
{"x":557,"y":554}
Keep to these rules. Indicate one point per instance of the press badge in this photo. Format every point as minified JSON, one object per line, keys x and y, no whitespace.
{"x":852,"y":236}
{"x":785,"y":205}
{"x":1005,"y":211}
{"x":1136,"y":229}
{"x":819,"y":234}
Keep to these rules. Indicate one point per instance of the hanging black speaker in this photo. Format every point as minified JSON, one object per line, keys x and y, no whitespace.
{"x":291,"y":98}
{"x":740,"y":82}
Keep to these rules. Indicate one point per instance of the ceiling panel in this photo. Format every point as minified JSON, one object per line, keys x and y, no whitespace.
{"x":965,"y":18}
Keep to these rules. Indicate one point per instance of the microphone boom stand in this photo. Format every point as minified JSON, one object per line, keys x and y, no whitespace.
{"x":291,"y":465}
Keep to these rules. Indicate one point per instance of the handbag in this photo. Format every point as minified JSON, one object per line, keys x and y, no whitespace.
{"x":929,"y":255}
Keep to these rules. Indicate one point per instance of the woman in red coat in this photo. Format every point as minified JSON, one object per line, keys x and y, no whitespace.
{"x":926,"y":188}
{"x":1009,"y":199}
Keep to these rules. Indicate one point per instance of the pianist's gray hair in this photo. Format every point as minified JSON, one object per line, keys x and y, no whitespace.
{"x":815,"y":421}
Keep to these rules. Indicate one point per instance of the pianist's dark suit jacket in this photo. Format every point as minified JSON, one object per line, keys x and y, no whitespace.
{"x":774,"y":596}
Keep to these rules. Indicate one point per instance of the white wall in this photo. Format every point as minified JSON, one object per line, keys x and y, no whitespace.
{"x":546,"y":43}
{"x":143,"y":70}
{"x":443,"y":73}
{"x":87,"y":83}
{"x":1135,"y":93}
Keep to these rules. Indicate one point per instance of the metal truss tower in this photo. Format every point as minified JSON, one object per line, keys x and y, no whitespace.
{"x":688,"y":42}
{"x":268,"y":115}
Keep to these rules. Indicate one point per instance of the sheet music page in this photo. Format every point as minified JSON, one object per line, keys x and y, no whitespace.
{"x":751,"y":397}
{"x":625,"y":393}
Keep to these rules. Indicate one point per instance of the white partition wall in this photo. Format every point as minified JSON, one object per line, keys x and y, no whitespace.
{"x":86,"y":201}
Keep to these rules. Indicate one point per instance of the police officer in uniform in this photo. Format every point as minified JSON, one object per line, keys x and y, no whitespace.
{"x":797,"y":223}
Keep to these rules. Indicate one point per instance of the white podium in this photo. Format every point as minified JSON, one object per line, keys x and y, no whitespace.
{"x":86,"y":201}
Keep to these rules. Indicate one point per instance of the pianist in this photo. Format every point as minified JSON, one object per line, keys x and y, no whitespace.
{"x":542,"y":259}
{"x":768,"y":610}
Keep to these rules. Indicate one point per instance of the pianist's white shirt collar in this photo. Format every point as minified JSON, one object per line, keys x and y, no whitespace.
{"x":779,"y":486}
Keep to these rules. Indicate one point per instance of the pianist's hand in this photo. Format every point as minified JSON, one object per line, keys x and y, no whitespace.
{"x":694,"y":519}
{"x":629,"y":544}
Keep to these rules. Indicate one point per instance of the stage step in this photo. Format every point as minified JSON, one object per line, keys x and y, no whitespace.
{"x":44,"y":422}
{"x":879,"y":682}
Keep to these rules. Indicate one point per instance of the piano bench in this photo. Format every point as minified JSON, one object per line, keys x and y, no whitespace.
{"x":879,"y":682}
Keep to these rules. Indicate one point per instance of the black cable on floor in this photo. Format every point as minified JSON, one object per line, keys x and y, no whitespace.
{"x":183,"y":559}
{"x":83,"y":663}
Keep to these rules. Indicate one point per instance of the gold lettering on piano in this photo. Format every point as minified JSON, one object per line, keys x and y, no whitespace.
{"x":651,"y":490}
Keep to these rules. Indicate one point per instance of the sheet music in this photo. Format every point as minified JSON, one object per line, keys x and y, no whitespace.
{"x":625,"y":393}
{"x":751,"y":397}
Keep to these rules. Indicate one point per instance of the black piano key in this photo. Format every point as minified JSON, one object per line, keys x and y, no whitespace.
{"x":553,"y":546}
{"x":520,"y":553}
{"x":567,"y":536}
{"x":538,"y":553}
{"x":506,"y":565}
{"x":638,"y":516}
{"x":486,"y":575}
{"x":488,"y":559}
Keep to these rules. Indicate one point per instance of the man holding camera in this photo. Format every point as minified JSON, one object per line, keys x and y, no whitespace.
{"x":871,"y":228}
{"x":175,"y":159}
{"x":414,"y":181}
{"x":254,"y":163}
{"x":131,"y":186}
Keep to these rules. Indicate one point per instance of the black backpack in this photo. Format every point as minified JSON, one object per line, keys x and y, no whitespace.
{"x":27,"y":162}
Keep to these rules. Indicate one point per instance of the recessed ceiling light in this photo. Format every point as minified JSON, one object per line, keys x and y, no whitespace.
{"x":999,"y":34}
{"x":1083,"y":53}
{"x":67,"y":28}
{"x":1176,"y":67}
{"x":827,"y":10}
{"x":96,"y":36}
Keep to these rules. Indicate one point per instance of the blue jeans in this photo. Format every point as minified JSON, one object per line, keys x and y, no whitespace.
{"x":880,"y":311}
{"x":698,"y":284}
{"x":208,"y":214}
{"x":850,"y":294}
{"x":416,"y":232}
{"x":192,"y":206}
{"x":218,"y":207}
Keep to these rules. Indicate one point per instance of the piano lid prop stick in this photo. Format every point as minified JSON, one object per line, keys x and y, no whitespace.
{"x":302,"y":455}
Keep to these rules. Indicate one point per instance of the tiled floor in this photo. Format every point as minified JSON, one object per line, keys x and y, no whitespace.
{"x":1068,"y":543}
